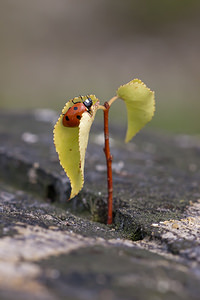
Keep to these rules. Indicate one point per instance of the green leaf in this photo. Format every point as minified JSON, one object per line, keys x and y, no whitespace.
{"x":71,"y":143}
{"x":140,"y":104}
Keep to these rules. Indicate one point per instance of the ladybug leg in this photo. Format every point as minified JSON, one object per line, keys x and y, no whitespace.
{"x":89,"y":111}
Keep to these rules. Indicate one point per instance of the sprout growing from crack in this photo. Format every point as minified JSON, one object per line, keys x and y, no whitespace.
{"x":71,"y":131}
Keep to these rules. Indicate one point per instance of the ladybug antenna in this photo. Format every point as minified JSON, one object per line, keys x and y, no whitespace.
{"x":81,"y":97}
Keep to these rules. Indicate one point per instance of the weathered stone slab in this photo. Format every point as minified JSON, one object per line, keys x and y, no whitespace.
{"x":42,"y":257}
{"x":155,"y":176}
{"x":53,"y":249}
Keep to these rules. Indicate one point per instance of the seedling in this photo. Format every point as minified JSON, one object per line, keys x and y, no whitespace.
{"x":72,"y":129}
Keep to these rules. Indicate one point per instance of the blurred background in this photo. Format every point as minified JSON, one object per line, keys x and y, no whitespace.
{"x":54,"y":50}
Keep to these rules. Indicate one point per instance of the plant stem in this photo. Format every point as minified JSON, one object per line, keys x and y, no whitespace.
{"x":109,"y":162}
{"x":112,"y":100}
{"x":101,"y":107}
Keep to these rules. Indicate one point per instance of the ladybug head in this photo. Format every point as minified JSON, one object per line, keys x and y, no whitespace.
{"x":88,"y":102}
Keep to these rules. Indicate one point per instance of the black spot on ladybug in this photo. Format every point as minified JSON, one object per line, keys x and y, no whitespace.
{"x":75,"y":107}
{"x":78,"y":117}
{"x":66,"y":118}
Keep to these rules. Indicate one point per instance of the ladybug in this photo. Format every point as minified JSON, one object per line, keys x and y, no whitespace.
{"x":72,"y":117}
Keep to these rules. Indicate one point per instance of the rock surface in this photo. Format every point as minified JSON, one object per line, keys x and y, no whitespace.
{"x":54,"y":249}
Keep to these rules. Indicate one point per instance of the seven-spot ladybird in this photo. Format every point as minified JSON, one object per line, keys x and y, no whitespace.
{"x":72,"y":117}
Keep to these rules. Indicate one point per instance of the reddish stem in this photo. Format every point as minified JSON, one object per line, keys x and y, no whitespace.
{"x":109,"y":163}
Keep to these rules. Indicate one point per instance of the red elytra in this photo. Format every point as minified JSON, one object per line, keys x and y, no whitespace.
{"x":72,"y":117}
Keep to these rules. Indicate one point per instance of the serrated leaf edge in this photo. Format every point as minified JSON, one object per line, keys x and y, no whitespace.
{"x":64,"y":110}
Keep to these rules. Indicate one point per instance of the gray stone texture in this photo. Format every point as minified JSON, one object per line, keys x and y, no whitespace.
{"x":51,"y":248}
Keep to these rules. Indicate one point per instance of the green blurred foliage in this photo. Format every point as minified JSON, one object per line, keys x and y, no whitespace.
{"x":52,"y":51}
{"x":157,"y":13}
